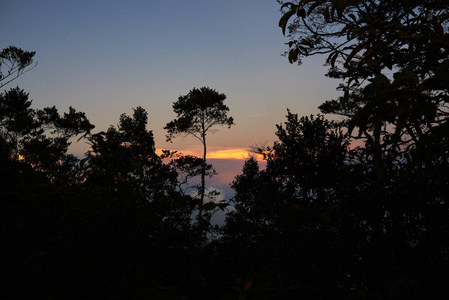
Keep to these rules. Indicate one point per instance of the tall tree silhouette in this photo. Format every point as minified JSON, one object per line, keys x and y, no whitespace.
{"x":197,"y":113}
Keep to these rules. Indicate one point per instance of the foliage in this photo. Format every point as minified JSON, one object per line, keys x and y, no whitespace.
{"x":309,"y":154}
{"x":197,"y":112}
{"x":126,"y":155}
{"x":124,"y":163}
{"x":392,"y":57}
{"x":14,"y":62}
{"x":325,"y":219}
{"x":187,"y":167}
{"x":369,"y":222}
{"x":110,"y":226}
{"x":288,"y":211}
{"x":39,"y":137}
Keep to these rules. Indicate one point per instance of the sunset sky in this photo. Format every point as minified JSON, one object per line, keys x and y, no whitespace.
{"x":107,"y":57}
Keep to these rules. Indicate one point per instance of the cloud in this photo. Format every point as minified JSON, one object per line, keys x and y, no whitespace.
{"x":230,"y":154}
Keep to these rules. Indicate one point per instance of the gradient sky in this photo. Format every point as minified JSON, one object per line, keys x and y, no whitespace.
{"x":107,"y":57}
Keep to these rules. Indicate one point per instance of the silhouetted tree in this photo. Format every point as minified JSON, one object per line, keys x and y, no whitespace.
{"x":38,"y":137}
{"x":187,"y":167}
{"x":197,"y":113}
{"x":39,"y":191}
{"x":308,"y":157}
{"x":13,"y":63}
{"x":392,"y":58}
{"x":125,"y":156}
{"x":123,"y":169}
{"x":285,"y":213}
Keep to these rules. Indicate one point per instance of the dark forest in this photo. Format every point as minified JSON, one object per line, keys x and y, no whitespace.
{"x":353,"y":203}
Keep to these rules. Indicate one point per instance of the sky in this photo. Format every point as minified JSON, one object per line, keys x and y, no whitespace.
{"x":107,"y":57}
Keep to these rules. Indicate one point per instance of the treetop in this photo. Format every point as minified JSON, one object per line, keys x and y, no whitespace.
{"x":197,"y":112}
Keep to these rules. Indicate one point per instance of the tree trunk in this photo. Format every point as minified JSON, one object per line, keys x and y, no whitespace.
{"x":203,"y":178}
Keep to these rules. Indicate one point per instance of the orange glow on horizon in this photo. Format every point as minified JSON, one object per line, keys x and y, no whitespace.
{"x":239,"y":154}
{"x":232,"y":154}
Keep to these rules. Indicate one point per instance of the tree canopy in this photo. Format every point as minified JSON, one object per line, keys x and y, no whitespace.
{"x":13,"y":63}
{"x":198,"y":112}
{"x":392,"y":58}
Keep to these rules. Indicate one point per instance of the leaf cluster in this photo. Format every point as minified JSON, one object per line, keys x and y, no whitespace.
{"x":197,"y":112}
{"x":392,"y":59}
{"x":14,"y":62}
{"x":40,"y":137}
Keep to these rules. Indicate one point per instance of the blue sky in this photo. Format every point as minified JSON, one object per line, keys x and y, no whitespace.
{"x":107,"y":57}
